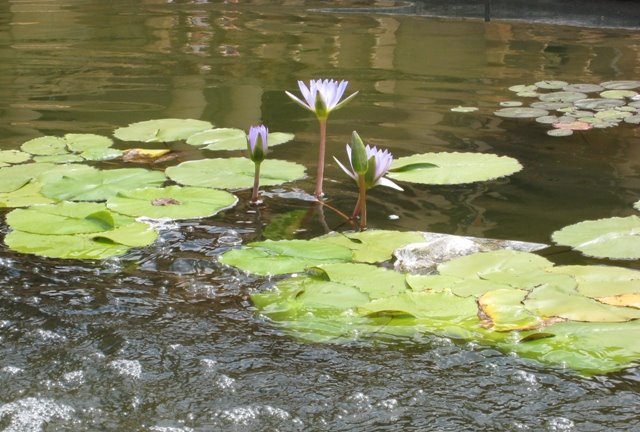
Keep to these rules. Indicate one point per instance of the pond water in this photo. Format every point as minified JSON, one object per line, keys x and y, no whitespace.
{"x":166,"y":339}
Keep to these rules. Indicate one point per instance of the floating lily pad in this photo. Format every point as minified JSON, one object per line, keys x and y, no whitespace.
{"x":598,"y":103}
{"x":550,"y":119}
{"x":574,"y":125}
{"x":373,"y":245}
{"x":59,"y":158}
{"x":601,"y":281}
{"x":521,"y":112}
{"x":483,"y":264}
{"x":79,"y":143}
{"x":285,"y":256}
{"x":618,"y":94}
{"x":560,"y":132}
{"x":84,"y":246}
{"x":64,"y":218}
{"x":173,"y":202}
{"x":620,"y":85}
{"x":99,"y":185}
{"x":232,"y":139}
{"x":612,"y":115}
{"x":432,"y":282}
{"x":551,"y":106}
{"x":503,"y":310}
{"x":551,"y":85}
{"x":522,"y":88}
{"x":161,"y":130}
{"x":464,"y":109}
{"x":101,"y":154}
{"x":616,"y":237}
{"x":510,"y":104}
{"x":14,"y":177}
{"x":140,"y":155}
{"x":14,"y":156}
{"x":45,"y":146}
{"x":562,"y":96}
{"x":376,"y":282}
{"x":26,"y":196}
{"x":233,"y":173}
{"x":583,"y":88}
{"x":453,"y":168}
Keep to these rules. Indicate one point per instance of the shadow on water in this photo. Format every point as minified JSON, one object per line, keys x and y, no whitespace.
{"x":166,"y":339}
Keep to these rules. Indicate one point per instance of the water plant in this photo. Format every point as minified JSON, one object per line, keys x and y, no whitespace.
{"x":257,"y":143}
{"x":322,"y":97}
{"x":368,"y":166}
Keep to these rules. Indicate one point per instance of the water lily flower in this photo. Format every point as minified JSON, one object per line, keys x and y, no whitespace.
{"x":322,"y":97}
{"x":368,"y":165}
{"x":257,"y":142}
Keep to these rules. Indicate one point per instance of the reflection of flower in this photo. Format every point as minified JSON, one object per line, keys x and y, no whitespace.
{"x":368,"y":167}
{"x":257,"y":146}
{"x":322,"y":96}
{"x":257,"y":143}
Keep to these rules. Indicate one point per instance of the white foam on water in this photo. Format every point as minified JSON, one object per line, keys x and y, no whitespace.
{"x":170,"y":429}
{"x":129,"y":368}
{"x":12,"y":370}
{"x":31,"y":414}
{"x":246,"y":415}
{"x":48,"y":335}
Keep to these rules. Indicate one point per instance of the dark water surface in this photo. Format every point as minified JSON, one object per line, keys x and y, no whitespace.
{"x":165,"y":339}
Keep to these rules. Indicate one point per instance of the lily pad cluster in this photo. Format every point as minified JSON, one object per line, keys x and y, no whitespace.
{"x":569,"y":107}
{"x":582,"y":317}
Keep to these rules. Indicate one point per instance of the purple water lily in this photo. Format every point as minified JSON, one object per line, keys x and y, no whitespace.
{"x":257,"y":142}
{"x":368,"y":167}
{"x":322,"y":97}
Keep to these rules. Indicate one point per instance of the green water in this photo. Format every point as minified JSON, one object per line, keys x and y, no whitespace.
{"x":165,"y":339}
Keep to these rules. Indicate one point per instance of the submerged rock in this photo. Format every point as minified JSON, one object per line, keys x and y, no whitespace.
{"x":423,"y":257}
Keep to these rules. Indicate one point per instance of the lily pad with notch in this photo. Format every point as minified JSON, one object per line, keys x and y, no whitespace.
{"x":161,"y":130}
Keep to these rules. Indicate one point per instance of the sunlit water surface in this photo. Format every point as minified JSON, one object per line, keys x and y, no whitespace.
{"x":165,"y":339}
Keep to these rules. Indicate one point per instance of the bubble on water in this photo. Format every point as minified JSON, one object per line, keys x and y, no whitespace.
{"x":225,"y":382}
{"x":246,"y":415}
{"x":560,"y":424}
{"x":31,"y":414}
{"x":75,"y":377}
{"x":11,"y":370}
{"x":48,"y":335}
{"x":129,"y":368}
{"x":209,"y":364}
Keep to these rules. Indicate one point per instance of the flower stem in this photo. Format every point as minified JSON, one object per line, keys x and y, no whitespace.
{"x":256,"y":184}
{"x":321,"y":152}
{"x":362,"y":199}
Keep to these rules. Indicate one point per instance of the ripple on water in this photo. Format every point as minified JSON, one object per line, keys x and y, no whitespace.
{"x":127,"y":368}
{"x":30,"y":414}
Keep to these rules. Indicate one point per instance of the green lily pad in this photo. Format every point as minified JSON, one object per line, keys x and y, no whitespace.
{"x":99,"y":185}
{"x":560,"y":132}
{"x":503,"y":310}
{"x":621,"y":85}
{"x":432,"y":283}
{"x":58,"y":158}
{"x":482,"y":265}
{"x":551,"y":85}
{"x":521,"y":112}
{"x":372,"y":245}
{"x":79,"y":143}
{"x":618,"y":94}
{"x":232,"y":139}
{"x":161,"y":130}
{"x":26,"y":196}
{"x":616,"y":237}
{"x":45,"y":146}
{"x":376,"y":282}
{"x":598,"y":103}
{"x":233,"y":173}
{"x":551,"y":106}
{"x":588,"y":347}
{"x":510,"y":104}
{"x":554,"y":301}
{"x":285,"y":256}
{"x":612,"y":115}
{"x":601,"y":281}
{"x":14,"y":177}
{"x":583,"y":88}
{"x":562,"y":96}
{"x":173,"y":202}
{"x":83,"y":246}
{"x":522,"y":88}
{"x":550,"y":119}
{"x":64,"y":218}
{"x":101,"y":154}
{"x":13,"y":156}
{"x":453,"y":168}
